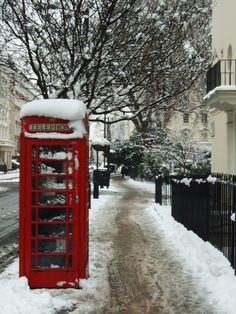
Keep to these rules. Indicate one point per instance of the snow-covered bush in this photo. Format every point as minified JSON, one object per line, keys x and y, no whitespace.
{"x":158,"y":153}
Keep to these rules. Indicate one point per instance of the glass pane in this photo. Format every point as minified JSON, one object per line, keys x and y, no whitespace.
{"x":70,"y":230}
{"x":52,"y":167}
{"x":51,"y":214}
{"x":33,"y":199}
{"x":52,"y":183}
{"x":47,"y":246}
{"x":33,"y":151}
{"x":52,"y":198}
{"x":54,"y":152}
{"x":33,"y":167}
{"x":33,"y":262}
{"x":57,"y":246}
{"x":69,"y":246}
{"x":33,"y":183}
{"x":70,"y":184}
{"x":33,"y":230}
{"x":34,"y":210}
{"x":33,"y":246}
{"x":70,"y":167}
{"x":70,"y":261}
{"x":70,"y":214}
{"x":51,"y":262}
{"x":54,"y":230}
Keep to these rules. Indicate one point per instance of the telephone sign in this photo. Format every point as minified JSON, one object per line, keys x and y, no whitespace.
{"x":53,"y":127}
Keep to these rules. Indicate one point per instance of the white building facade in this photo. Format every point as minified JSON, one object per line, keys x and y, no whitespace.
{"x":221,"y":97}
{"x":12,"y":96}
{"x":7,"y":121}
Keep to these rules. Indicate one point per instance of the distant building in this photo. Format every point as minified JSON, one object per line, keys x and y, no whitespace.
{"x":12,"y":96}
{"x":221,"y":87}
{"x":121,"y":130}
{"x":193,"y":125}
{"x":117,"y":131}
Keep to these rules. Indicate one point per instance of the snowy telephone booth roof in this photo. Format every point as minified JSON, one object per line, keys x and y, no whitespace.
{"x":66,"y":118}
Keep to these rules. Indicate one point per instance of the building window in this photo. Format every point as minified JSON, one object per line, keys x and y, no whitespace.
{"x":186,"y":133}
{"x":204,"y":118}
{"x":213,"y":129}
{"x":204,"y":135}
{"x":186,"y":118}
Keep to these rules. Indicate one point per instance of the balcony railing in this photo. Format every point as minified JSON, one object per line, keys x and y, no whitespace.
{"x":222,"y":73}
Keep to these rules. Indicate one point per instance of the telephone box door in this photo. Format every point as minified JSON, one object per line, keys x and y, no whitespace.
{"x":52,"y":213}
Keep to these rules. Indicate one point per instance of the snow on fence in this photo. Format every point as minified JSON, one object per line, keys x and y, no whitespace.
{"x":206,"y":206}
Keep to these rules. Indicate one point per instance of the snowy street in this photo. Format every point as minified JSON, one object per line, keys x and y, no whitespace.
{"x":9,"y":204}
{"x":141,"y":261}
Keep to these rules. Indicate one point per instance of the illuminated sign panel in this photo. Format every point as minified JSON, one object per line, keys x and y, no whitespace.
{"x":43,"y":127}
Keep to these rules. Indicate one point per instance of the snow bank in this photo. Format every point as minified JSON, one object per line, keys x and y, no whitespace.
{"x":206,"y":264}
{"x":16,"y":297}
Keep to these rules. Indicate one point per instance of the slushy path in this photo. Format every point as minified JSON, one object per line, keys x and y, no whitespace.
{"x":144,"y":276}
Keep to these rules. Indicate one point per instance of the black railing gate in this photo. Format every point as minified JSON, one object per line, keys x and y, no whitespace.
{"x":205,"y":207}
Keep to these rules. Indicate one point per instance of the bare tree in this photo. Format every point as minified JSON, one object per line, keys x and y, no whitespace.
{"x":124,"y":58}
{"x":165,"y":59}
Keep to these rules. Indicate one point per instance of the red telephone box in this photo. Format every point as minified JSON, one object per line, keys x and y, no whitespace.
{"x":54,"y":201}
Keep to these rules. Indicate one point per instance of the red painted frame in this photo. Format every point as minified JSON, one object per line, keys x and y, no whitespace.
{"x":46,"y":277}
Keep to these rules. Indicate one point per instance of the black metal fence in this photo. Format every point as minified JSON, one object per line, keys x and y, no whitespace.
{"x":205,"y":206}
{"x":222,"y":73}
{"x":190,"y":206}
{"x":222,"y":205}
{"x":163,"y":192}
{"x":163,"y":188}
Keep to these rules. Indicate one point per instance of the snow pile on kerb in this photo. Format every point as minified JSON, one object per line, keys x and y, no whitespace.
{"x":201,"y":259}
{"x":16,"y":296}
{"x":67,"y":109}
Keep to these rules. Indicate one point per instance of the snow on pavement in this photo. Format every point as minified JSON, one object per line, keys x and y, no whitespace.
{"x":211,"y":270}
{"x":17,"y":298}
{"x":10,"y":176}
{"x":3,"y":189}
{"x":208,"y":265}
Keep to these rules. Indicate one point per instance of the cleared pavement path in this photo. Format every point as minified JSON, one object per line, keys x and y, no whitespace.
{"x":144,"y":276}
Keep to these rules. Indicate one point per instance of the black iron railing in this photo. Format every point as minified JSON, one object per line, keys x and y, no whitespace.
{"x":190,"y":206}
{"x":206,"y":207}
{"x":222,"y":205}
{"x":222,"y":73}
{"x":163,"y":192}
{"x":163,"y":188}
